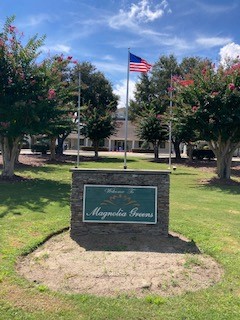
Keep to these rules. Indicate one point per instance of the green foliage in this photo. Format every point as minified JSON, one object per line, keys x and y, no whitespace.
{"x":96,"y":90}
{"x":23,"y":94}
{"x":155,"y":300}
{"x":59,"y":73}
{"x":212,"y":102}
{"x":189,"y":65}
{"x":151,"y":128}
{"x":143,"y":96}
{"x":98,"y":104}
{"x":97,"y":125}
{"x":34,"y":98}
{"x":153,"y":92}
{"x":183,"y":126}
{"x":161,"y":73}
{"x":152,"y":89}
{"x":42,"y":288}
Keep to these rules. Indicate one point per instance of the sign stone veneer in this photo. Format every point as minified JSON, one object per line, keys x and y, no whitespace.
{"x":81,"y":177}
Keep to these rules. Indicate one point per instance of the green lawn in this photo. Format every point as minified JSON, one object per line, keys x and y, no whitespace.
{"x":31,"y":211}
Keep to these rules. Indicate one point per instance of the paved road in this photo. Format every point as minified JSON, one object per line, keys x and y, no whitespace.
{"x":116,"y":154}
{"x":105,"y":153}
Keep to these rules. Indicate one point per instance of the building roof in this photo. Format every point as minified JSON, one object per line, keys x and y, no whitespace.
{"x":120,"y":132}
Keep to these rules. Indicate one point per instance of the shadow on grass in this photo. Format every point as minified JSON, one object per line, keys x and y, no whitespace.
{"x":226,"y":186}
{"x":33,"y":195}
{"x":43,"y":161}
{"x":184,"y":173}
{"x":66,"y":159}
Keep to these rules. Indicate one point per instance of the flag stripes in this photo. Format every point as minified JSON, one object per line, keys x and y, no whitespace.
{"x":137,"y":64}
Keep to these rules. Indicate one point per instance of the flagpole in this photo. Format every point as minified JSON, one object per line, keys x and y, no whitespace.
{"x":126,"y":114}
{"x":78,"y":111}
{"x":170,"y":127}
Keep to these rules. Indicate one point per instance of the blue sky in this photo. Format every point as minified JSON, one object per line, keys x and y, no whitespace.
{"x":101,"y":31}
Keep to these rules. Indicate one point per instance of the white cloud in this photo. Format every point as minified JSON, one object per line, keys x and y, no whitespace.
{"x":142,"y":12}
{"x":108,"y":57}
{"x":175,"y":42}
{"x":36,"y":20}
{"x":61,"y":48}
{"x":218,"y":8}
{"x":230,"y":51}
{"x":121,"y":90}
{"x":111,"y":68}
{"x":212,"y":41}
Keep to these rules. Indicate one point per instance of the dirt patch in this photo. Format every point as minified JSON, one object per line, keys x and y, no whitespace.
{"x":30,"y":300}
{"x":32,"y":160}
{"x":132,"y":265}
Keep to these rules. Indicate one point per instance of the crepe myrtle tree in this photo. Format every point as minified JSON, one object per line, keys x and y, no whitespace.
{"x":213,"y":100}
{"x":27,"y":97}
{"x":20,"y":92}
{"x":59,"y":70}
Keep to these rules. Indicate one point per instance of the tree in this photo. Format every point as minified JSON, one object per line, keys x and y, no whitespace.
{"x":182,"y":126}
{"x":189,"y":65}
{"x":61,"y":122}
{"x":143,"y":96}
{"x":151,"y":129}
{"x":183,"y":129}
{"x":25,"y":99}
{"x":214,"y":106}
{"x":152,"y":88}
{"x":96,"y":90}
{"x":98,"y":104}
{"x":152,"y":93}
{"x":97,"y":126}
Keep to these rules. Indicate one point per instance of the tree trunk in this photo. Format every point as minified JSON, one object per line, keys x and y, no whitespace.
{"x":61,"y":140}
{"x":18,"y":152}
{"x":190,"y":152}
{"x":10,"y":149}
{"x":224,"y":166}
{"x":156,"y":151}
{"x":176,"y":145}
{"x":59,"y":148}
{"x":95,"y":146}
{"x":52,"y":148}
{"x":224,"y":151}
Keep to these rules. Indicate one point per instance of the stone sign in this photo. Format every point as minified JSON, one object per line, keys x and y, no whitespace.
{"x":106,"y":201}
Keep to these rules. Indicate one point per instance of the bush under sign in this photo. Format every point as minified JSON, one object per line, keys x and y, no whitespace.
{"x":120,"y":204}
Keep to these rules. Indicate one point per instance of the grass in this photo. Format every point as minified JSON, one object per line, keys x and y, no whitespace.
{"x":30,"y":211}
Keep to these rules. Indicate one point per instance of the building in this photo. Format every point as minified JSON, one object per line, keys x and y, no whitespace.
{"x":115,"y":142}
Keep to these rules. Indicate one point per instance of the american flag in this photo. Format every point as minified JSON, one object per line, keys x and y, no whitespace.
{"x":138,"y":64}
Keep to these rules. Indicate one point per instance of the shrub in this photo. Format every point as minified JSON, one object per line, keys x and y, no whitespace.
{"x":92,"y":149}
